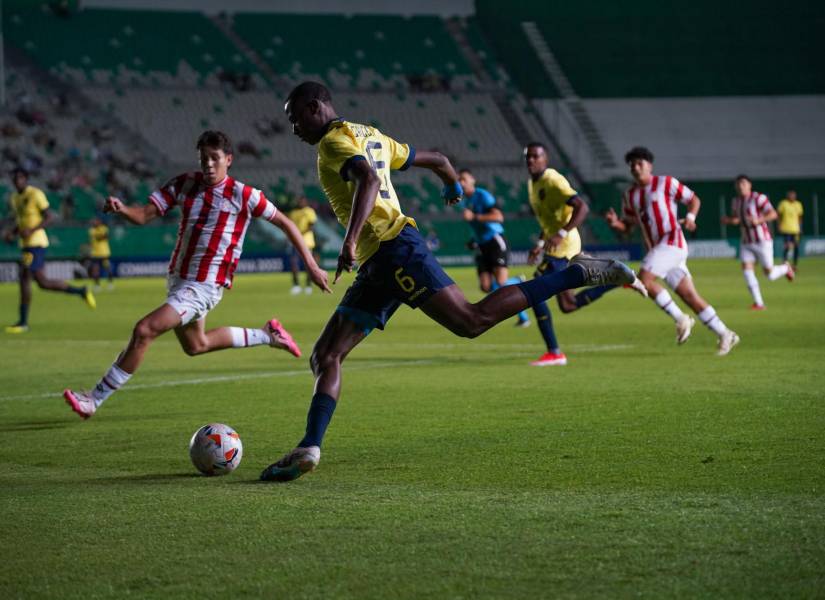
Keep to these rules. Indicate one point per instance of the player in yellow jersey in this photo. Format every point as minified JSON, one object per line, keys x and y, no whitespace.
{"x":32,"y":216}
{"x":100,"y":252}
{"x":790,"y":211}
{"x":559,"y":210}
{"x":304,"y":217}
{"x":395,"y":264}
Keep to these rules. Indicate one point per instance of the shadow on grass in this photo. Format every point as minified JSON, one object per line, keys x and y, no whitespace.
{"x":36,"y":425}
{"x":144,"y":478}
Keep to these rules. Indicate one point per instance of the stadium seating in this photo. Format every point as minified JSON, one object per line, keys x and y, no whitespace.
{"x":124,"y":46}
{"x":375,"y":52}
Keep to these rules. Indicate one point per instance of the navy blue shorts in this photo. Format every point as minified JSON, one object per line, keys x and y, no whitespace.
{"x":551,"y":264}
{"x":403,"y":270}
{"x":33,"y":259}
{"x":791,"y":238}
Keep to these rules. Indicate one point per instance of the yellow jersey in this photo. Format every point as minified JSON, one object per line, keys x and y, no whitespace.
{"x":548,"y":198}
{"x":790,"y":213}
{"x":345,"y":142}
{"x":304,"y":218}
{"x":99,"y":242}
{"x":29,"y":206}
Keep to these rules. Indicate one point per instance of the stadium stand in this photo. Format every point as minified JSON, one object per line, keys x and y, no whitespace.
{"x":140,"y":85}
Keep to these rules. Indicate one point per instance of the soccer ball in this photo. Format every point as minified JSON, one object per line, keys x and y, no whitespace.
{"x":216,"y":449}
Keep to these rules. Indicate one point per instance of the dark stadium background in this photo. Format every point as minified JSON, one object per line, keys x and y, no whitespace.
{"x":105,"y":97}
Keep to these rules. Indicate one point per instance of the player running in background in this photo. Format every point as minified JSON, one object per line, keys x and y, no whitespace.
{"x":652,"y":203}
{"x":559,"y":211}
{"x":354,"y":164}
{"x":99,"y":253}
{"x":215,"y":213}
{"x":484,"y":216}
{"x":791,"y":212}
{"x":752,"y":211}
{"x":304,"y":217}
{"x":32,"y":216}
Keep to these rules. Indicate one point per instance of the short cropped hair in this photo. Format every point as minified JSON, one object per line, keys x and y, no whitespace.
{"x":308,"y":91}
{"x":215,"y":139}
{"x":19,"y":171}
{"x":535,"y":145}
{"x":465,"y":170}
{"x":743,"y":177}
{"x":638,"y":153}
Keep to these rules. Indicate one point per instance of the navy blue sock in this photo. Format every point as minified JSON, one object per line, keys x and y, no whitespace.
{"x":320,"y":414}
{"x":589,"y":295}
{"x":545,"y":322}
{"x":76,"y":291}
{"x":541,"y":288}
{"x":24,"y":315}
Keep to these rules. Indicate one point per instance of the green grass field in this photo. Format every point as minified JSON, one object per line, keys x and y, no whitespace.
{"x":452,"y":469}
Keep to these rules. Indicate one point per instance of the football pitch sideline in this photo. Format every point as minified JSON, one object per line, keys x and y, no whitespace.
{"x":452,"y":469}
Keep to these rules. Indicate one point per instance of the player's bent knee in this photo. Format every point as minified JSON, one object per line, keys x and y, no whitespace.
{"x":144,"y":332}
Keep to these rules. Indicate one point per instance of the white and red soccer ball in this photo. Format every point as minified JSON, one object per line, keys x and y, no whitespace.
{"x":216,"y":449}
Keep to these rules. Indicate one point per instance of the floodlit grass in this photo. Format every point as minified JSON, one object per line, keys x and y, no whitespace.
{"x":452,"y":469}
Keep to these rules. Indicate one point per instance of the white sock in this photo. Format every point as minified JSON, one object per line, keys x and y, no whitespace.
{"x":778,"y":272}
{"x":667,"y":304}
{"x":753,"y":286}
{"x":243,"y":338}
{"x":712,"y":321}
{"x":113,"y":380}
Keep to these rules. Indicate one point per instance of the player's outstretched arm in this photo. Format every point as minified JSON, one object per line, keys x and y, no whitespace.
{"x":617,"y":224}
{"x":316,"y":273}
{"x":367,"y":185}
{"x":689,"y":222}
{"x":139,"y":215}
{"x":441,"y":166}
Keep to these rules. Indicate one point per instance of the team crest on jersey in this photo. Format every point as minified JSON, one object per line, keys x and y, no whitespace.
{"x":231,"y":205}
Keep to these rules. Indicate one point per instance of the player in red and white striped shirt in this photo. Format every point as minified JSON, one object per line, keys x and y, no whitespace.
{"x":652,"y":202}
{"x":753,"y":211}
{"x":215,"y":213}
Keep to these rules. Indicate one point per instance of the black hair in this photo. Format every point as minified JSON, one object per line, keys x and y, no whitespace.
{"x":535,"y":145}
{"x":465,"y":170}
{"x":19,"y":171}
{"x":309,"y":91}
{"x":215,"y":139}
{"x":742,"y":176}
{"x":638,"y":153}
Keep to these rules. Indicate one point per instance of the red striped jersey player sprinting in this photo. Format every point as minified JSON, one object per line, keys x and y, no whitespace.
{"x":753,"y":211}
{"x":215,"y":213}
{"x":652,"y":203}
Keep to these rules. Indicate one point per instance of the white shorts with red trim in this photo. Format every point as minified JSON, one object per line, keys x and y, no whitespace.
{"x":192,"y":300}
{"x":668,"y":262}
{"x":761,"y":252}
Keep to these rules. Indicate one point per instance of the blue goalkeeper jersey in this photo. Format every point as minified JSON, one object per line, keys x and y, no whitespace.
{"x":481,"y":203}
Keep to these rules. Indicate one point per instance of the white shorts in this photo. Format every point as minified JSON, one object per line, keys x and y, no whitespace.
{"x":192,"y":299}
{"x":761,"y":252}
{"x":668,"y":262}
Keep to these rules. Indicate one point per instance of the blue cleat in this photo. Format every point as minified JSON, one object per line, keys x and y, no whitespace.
{"x":293,"y":465}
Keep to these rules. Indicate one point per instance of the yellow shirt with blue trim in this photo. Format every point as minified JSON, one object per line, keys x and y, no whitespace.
{"x":29,"y":206}
{"x":304,"y":218}
{"x":99,"y":242}
{"x":790,"y":212}
{"x":548,"y":197}
{"x":345,"y":142}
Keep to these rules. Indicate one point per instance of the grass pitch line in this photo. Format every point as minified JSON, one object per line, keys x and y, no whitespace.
{"x":221,"y":378}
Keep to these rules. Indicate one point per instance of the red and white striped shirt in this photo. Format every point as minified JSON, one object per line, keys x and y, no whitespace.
{"x":748,"y":209}
{"x":653,"y":206}
{"x":213,"y":224}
